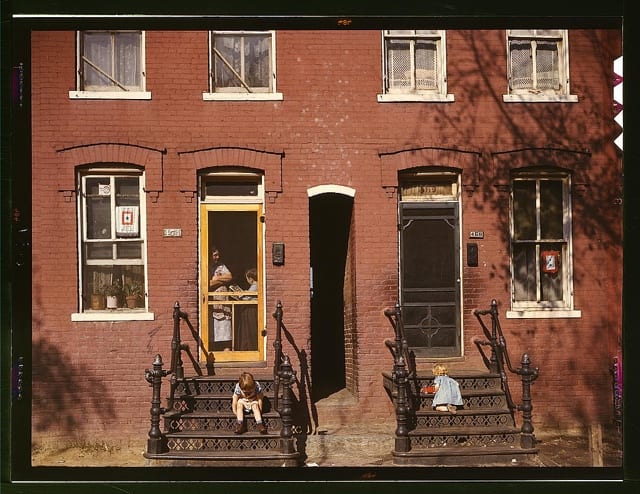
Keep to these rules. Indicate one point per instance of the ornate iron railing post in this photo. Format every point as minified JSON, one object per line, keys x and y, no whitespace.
{"x":402,"y":443}
{"x":493,"y":360}
{"x":277,"y":345}
{"x":286,"y":412}
{"x":157,"y":442}
{"x":177,"y":366}
{"x":529,"y":374}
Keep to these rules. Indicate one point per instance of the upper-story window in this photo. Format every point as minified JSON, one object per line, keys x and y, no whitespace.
{"x":538,"y":65}
{"x":414,"y":66}
{"x":112,"y":245}
{"x":110,"y":65}
{"x":242,"y":65}
{"x":541,"y":253}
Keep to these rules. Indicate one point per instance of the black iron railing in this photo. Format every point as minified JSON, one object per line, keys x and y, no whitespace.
{"x":404,"y":372}
{"x":495,"y":362}
{"x":283,"y":375}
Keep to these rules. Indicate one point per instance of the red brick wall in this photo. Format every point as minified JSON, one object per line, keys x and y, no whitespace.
{"x":331,"y":129}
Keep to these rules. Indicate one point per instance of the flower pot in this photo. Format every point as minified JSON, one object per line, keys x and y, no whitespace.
{"x":112,"y":302}
{"x":98,"y":301}
{"x":132,"y":301}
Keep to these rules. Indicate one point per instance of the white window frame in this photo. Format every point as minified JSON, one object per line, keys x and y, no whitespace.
{"x":120,"y":314}
{"x":116,"y":92}
{"x":242,"y":93}
{"x":533,"y":95}
{"x":544,"y":309}
{"x":391,"y":95}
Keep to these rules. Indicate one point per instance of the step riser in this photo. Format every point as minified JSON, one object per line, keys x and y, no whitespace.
{"x":224,"y":387}
{"x":465,"y":441}
{"x":218,"y":404}
{"x":449,"y":420}
{"x":223,"y":444}
{"x":497,"y":401}
{"x":466,"y":383}
{"x":214,"y":424}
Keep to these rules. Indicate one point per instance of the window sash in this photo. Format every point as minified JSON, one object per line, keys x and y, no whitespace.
{"x":112,"y":248}
{"x":540,"y":223}
{"x":111,"y":61}
{"x":536,"y":61}
{"x":242,"y":62}
{"x":414,"y":61}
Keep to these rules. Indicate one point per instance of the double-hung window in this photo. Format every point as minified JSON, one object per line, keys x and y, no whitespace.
{"x":112,"y":246}
{"x":538,"y":65}
{"x":242,"y":66}
{"x":541,"y":257}
{"x":414,"y":66}
{"x":110,"y":65}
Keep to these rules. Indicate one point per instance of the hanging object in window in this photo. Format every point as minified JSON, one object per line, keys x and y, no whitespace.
{"x":127,"y":221}
{"x":550,"y":261}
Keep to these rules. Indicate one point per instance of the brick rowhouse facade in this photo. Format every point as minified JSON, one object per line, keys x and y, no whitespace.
{"x":327,"y":134}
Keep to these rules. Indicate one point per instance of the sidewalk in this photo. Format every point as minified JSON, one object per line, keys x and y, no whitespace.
{"x":367,"y":445}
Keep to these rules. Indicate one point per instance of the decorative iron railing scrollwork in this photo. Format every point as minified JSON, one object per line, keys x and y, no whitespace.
{"x":496,"y":361}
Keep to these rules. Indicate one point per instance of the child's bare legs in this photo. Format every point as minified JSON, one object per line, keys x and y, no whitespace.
{"x":257,"y":413}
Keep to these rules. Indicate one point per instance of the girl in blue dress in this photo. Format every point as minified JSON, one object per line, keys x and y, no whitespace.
{"x":447,"y":397}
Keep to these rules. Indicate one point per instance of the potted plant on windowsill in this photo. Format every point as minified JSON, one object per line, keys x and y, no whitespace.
{"x":132,"y":293}
{"x":112,"y":292}
{"x":98,"y":301}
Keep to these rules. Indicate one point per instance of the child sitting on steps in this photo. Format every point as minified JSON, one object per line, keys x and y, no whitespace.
{"x":247,"y":398}
{"x":447,"y":395}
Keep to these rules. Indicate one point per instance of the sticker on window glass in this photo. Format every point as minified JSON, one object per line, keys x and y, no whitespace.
{"x":104,"y":189}
{"x":127,"y":221}
{"x":550,"y":261}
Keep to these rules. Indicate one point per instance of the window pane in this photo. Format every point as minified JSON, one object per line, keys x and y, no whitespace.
{"x":127,"y":191}
{"x":257,"y":61}
{"x":228,"y":57}
{"x":521,"y":64}
{"x":98,"y":196}
{"x":524,"y":210}
{"x":399,"y":63}
{"x":551,"y":211}
{"x":97,"y":50}
{"x":101,"y":250}
{"x":547,"y":66}
{"x":129,"y":250}
{"x":524,"y":272}
{"x":127,"y":49}
{"x":426,"y":65}
{"x":551,"y":273}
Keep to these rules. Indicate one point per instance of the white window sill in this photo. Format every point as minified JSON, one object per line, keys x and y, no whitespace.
{"x":109,"y":95}
{"x":415,"y":98}
{"x":113,"y":315}
{"x":543,"y":314}
{"x":242,"y":97}
{"x":539,"y":98}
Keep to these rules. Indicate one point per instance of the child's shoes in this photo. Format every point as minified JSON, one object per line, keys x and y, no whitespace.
{"x":240,"y":428}
{"x":262,"y":428}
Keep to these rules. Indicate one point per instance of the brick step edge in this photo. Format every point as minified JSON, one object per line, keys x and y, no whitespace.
{"x":465,"y":456}
{"x":469,"y":431}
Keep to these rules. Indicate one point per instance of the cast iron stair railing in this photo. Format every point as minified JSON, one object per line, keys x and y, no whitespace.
{"x":198,"y":422}
{"x":483,"y":431}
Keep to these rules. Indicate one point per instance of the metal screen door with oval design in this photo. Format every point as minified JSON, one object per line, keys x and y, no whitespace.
{"x":430,"y":277}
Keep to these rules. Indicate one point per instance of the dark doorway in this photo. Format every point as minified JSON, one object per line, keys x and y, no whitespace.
{"x":329,"y":223}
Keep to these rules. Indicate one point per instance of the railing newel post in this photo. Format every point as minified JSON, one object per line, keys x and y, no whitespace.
{"x":157,"y":442}
{"x":286,"y":413}
{"x":529,"y":374}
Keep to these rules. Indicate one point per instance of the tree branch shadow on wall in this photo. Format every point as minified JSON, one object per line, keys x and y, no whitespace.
{"x":73,"y":393}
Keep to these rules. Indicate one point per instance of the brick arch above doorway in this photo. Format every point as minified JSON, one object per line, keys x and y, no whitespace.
{"x":270,"y":162}
{"x":392,"y":162}
{"x":331,"y":189}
